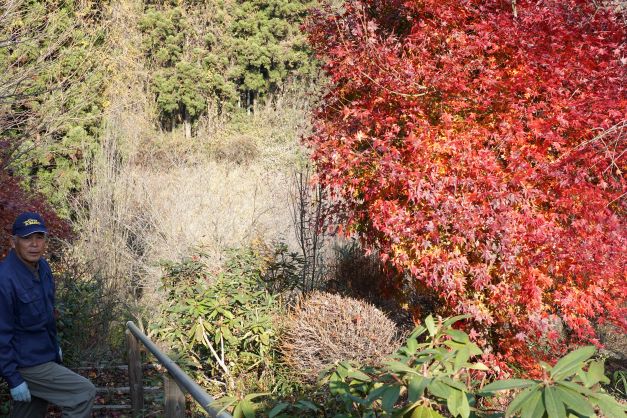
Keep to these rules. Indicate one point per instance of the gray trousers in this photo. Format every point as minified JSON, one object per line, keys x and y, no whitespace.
{"x":53,"y":383}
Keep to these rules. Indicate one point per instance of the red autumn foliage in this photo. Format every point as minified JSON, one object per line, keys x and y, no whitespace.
{"x":480,"y":147}
{"x":14,"y":200}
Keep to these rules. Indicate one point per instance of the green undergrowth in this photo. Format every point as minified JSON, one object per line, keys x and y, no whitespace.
{"x":437,"y":373}
{"x":225,"y":329}
{"x":220,"y":326}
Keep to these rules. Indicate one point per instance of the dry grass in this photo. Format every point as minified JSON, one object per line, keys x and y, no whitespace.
{"x":156,"y":195}
{"x":146,"y":214}
{"x":211,"y":207}
{"x":325,"y":328}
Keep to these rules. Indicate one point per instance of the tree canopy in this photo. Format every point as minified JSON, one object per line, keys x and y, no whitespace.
{"x":224,"y":55}
{"x":50,"y":89}
{"x":479,"y":147}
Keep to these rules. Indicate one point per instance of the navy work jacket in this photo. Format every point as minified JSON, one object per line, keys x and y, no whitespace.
{"x":28,"y":334}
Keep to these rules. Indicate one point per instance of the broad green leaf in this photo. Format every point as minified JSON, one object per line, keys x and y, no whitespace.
{"x":224,"y":403}
{"x":479,"y":366}
{"x":252,"y":396}
{"x":226,"y":332}
{"x":506,"y":385}
{"x":342,"y":369}
{"x":454,"y":344}
{"x":571,"y":362}
{"x":308,"y":405}
{"x":338,"y":387}
{"x":533,"y":407}
{"x":596,"y":374}
{"x":226,"y":313}
{"x":608,"y":405}
{"x":416,"y":387}
{"x":428,"y":351}
{"x":280,"y":407}
{"x":464,"y":409}
{"x":389,"y":397}
{"x":453,"y":402}
{"x":375,"y":394}
{"x":474,"y":349}
{"x":439,"y":389}
{"x":517,"y":403}
{"x":461,"y":358}
{"x":457,"y":404}
{"x":417,"y":332}
{"x":397,"y":366}
{"x":575,"y":402}
{"x":457,"y":335}
{"x":425,"y":412}
{"x":192,"y":332}
{"x":430,"y":324}
{"x":576,"y":387}
{"x":553,"y":403}
{"x":452,"y":320}
{"x":412,"y":345}
{"x":237,"y":413}
{"x":358,"y":375}
{"x":248,"y":408}
{"x":454,"y":383}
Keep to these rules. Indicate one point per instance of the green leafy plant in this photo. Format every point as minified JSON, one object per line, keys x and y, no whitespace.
{"x":570,"y":388}
{"x":436,"y":374}
{"x":221,"y":325}
{"x":424,"y":378}
{"x":53,"y":60}
{"x":619,"y":382}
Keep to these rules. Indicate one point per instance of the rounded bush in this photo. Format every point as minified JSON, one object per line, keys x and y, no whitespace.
{"x":239,"y":150}
{"x":325,"y":328}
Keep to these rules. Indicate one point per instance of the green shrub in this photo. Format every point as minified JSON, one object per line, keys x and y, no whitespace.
{"x":619,"y":382}
{"x":87,"y":312}
{"x":440,"y":377}
{"x":570,"y":388}
{"x":221,"y":325}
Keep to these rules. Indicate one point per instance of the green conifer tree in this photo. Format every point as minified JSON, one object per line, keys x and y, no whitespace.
{"x":225,"y":55}
{"x":52,"y":76}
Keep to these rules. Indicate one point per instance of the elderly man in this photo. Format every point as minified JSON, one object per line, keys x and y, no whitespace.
{"x":29,"y":350}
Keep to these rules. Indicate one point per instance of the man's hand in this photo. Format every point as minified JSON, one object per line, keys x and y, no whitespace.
{"x":20,"y":393}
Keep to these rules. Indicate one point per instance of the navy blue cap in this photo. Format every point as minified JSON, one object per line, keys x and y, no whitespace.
{"x":28,"y":223}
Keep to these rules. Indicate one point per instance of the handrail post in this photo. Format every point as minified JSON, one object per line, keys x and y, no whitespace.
{"x":135,"y":377}
{"x":174,"y":398}
{"x":181,"y":378}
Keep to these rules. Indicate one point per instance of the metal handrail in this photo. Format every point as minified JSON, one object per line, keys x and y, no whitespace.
{"x":181,"y":378}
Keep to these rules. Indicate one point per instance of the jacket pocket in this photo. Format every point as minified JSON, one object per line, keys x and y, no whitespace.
{"x":30,"y":309}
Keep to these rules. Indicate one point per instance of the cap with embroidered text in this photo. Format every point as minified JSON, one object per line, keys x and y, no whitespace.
{"x":28,"y":223}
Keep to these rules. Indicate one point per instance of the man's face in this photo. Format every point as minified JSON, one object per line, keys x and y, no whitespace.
{"x":31,"y":247}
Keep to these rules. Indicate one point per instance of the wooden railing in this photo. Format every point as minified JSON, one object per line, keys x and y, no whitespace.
{"x":174,"y":381}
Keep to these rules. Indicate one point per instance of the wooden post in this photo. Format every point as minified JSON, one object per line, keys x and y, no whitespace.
{"x":174,"y":398}
{"x":135,"y":377}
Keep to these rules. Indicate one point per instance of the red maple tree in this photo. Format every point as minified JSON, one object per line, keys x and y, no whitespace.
{"x":480,"y":147}
{"x":14,"y":200}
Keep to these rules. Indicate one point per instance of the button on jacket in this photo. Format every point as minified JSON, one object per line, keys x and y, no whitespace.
{"x":28,"y":335}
